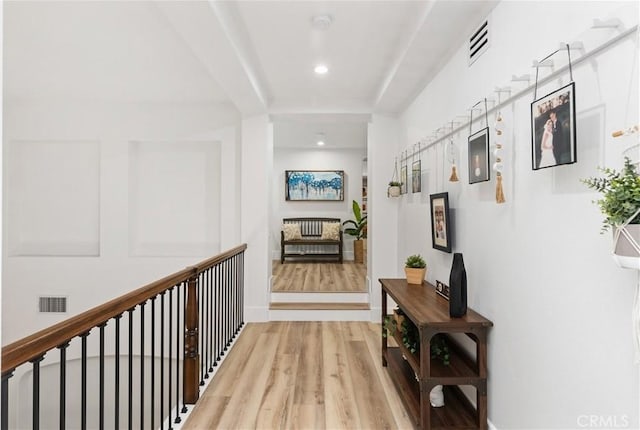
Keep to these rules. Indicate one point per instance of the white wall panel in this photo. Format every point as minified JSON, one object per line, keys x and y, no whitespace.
{"x":173,"y":193}
{"x":54,"y":198}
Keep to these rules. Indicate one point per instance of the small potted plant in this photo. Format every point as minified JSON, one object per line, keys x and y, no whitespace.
{"x":394,"y":189}
{"x":620,"y":204}
{"x":415,"y":268}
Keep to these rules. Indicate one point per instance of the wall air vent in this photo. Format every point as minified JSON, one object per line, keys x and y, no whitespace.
{"x":478,"y":42}
{"x":52,"y":304}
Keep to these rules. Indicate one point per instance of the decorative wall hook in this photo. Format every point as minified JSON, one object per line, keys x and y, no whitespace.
{"x":574,"y":46}
{"x":522,"y":78}
{"x":608,"y":23}
{"x":566,"y":47}
{"x":544,"y":63}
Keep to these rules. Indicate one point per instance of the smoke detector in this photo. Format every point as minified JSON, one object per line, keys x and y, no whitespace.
{"x":321,"y":22}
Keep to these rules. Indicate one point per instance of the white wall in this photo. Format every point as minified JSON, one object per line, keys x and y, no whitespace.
{"x":257,"y":162}
{"x":102,"y":198}
{"x":349,"y":160}
{"x":561,"y":346}
{"x":383,"y":140}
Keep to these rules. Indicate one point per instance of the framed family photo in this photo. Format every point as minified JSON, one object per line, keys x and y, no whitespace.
{"x":553,"y":129}
{"x":479,"y":156}
{"x":312,"y":185}
{"x":440,"y":222}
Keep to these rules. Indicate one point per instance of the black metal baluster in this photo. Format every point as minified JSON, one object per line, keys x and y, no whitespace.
{"x":234,"y":306}
{"x":4,"y":393}
{"x":240,"y":291}
{"x":227,"y":321}
{"x":204,"y":374}
{"x":141,"y":426}
{"x":162,"y":360}
{"x":116,"y":388}
{"x":130,"y":380}
{"x":170,"y":350}
{"x":63,"y":385}
{"x":234,"y":303}
{"x":83,"y":383}
{"x":153,"y":361}
{"x":101,"y":377}
{"x":36,"y":392}
{"x":236,"y":295}
{"x":210,"y":354}
{"x":206,"y":321}
{"x":179,"y":352}
{"x":223,"y":322}
{"x":216,"y":310}
{"x":242,"y":288}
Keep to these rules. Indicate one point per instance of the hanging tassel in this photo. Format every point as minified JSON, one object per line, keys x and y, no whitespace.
{"x":454,"y":175}
{"x":499,"y":192}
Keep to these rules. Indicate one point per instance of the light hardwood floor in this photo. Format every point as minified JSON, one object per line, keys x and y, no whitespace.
{"x":310,"y":277}
{"x":302,"y":375}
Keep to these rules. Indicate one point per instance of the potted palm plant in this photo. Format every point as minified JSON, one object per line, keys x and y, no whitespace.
{"x":620,"y":204}
{"x":357,"y":229}
{"x":415,"y":268}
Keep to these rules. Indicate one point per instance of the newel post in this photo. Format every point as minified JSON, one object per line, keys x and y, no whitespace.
{"x":191,"y":363}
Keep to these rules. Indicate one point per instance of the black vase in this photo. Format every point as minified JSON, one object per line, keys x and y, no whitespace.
{"x":457,"y":287}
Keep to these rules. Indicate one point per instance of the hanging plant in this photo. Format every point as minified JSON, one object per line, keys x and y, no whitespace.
{"x":394,"y":185}
{"x":620,"y":200}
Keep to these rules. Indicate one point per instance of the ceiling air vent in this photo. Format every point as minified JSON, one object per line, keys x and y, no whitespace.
{"x":52,"y":304}
{"x":479,"y":42}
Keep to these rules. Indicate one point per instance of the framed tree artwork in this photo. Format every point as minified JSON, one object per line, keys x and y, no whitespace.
{"x":313,"y":185}
{"x":553,"y":129}
{"x":440,"y":222}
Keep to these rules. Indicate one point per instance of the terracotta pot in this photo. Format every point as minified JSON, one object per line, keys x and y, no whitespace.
{"x":415,"y":276}
{"x":393,"y":192}
{"x":626,"y":249}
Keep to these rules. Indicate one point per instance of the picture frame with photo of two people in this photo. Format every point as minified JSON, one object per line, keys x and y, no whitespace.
{"x":553,"y":129}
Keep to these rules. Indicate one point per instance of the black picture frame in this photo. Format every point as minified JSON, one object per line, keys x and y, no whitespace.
{"x":416,"y":176}
{"x":403,"y":179}
{"x":479,"y":157}
{"x":440,"y":222}
{"x":553,"y":128}
{"x":314,"y":185}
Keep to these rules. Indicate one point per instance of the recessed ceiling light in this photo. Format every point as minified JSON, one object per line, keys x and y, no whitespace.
{"x":320,"y":139}
{"x":321,"y":69}
{"x":320,"y":143}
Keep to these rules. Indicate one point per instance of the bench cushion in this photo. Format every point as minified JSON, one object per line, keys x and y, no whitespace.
{"x":330,"y":231}
{"x":291,"y":231}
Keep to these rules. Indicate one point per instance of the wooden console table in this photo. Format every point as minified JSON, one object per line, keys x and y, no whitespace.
{"x":416,"y":374}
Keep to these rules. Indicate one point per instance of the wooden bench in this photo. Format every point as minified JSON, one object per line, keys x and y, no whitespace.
{"x":311,"y":246}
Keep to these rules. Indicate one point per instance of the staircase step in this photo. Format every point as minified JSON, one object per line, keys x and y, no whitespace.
{"x":317,"y":306}
{"x":319,"y":297}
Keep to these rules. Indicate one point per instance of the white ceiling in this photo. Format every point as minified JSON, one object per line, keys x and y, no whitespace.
{"x":255,"y":55}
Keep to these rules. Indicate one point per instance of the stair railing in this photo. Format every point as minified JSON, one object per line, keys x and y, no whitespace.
{"x":154,"y":348}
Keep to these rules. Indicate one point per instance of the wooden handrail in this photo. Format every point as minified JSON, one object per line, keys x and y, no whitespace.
{"x":210,"y":262}
{"x":37,"y":344}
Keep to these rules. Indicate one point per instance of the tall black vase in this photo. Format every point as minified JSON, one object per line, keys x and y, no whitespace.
{"x":457,"y":287}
